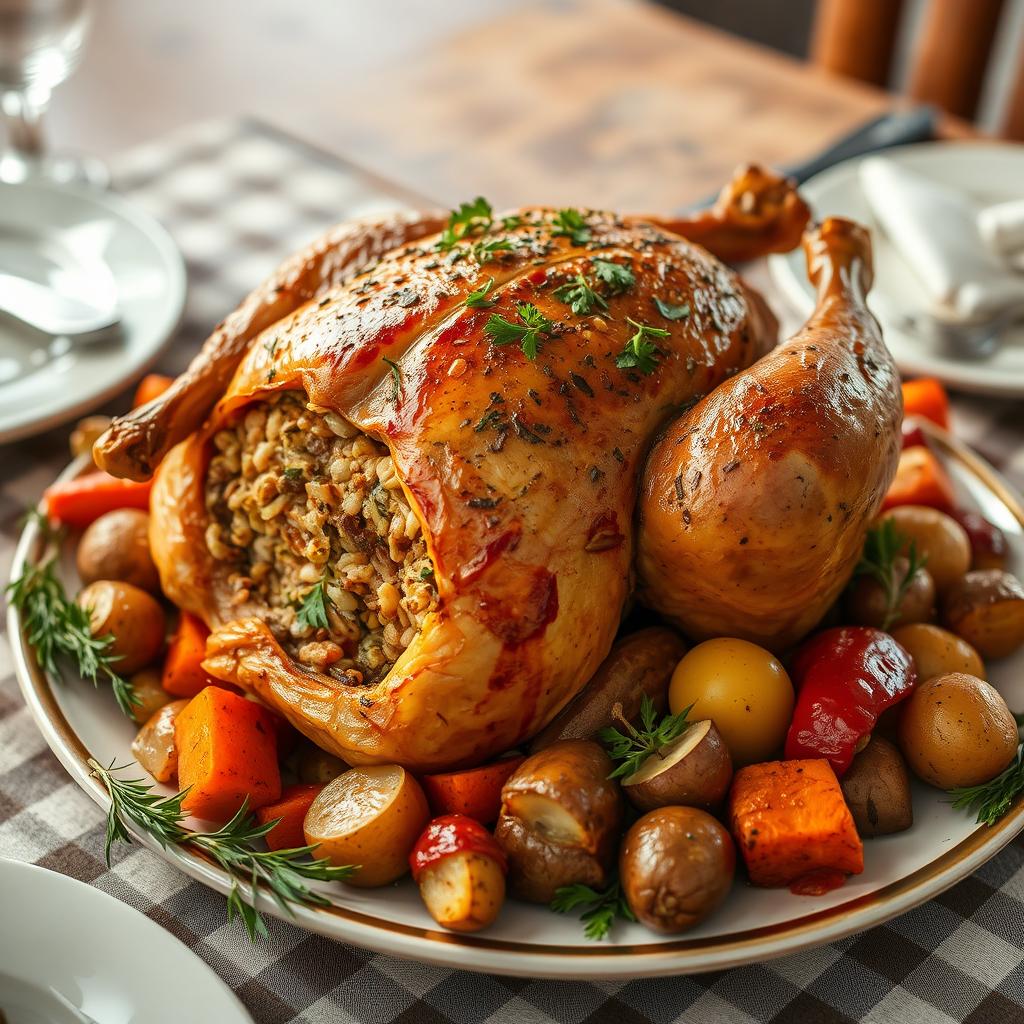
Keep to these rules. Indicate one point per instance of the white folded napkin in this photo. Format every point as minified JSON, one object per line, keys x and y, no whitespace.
{"x":935,"y":229}
{"x":1002,"y":228}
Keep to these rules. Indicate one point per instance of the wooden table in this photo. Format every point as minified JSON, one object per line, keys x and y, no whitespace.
{"x":603,"y":102}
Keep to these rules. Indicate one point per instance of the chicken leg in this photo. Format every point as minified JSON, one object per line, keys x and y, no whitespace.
{"x":755,"y":503}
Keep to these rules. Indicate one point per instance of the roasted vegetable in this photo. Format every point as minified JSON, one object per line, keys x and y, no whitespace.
{"x":870,"y":602}
{"x":877,"y":790}
{"x":475,"y":792}
{"x":927,"y":398}
{"x":989,"y":547}
{"x":986,"y":608}
{"x":316,"y":766}
{"x":936,"y":538}
{"x":149,"y":694}
{"x":920,"y":480}
{"x":676,"y":867}
{"x":845,"y":678}
{"x":84,"y":499}
{"x":790,"y":821}
{"x":370,"y":817}
{"x":130,"y":616}
{"x":560,"y":819}
{"x":957,"y":731}
{"x":742,"y":688}
{"x":154,"y":746}
{"x":639,"y":665}
{"x":290,"y":814}
{"x":227,"y":755}
{"x":460,"y":871}
{"x":183,"y":673}
{"x":116,"y":547}
{"x":936,"y":651}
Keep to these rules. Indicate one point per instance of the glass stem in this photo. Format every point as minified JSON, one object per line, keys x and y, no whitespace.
{"x":23,"y":115}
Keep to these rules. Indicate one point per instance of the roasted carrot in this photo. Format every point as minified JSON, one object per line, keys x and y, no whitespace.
{"x":183,"y":673}
{"x":287,"y":834}
{"x":80,"y":501}
{"x":227,"y":753}
{"x":927,"y":398}
{"x":920,"y":480}
{"x":790,"y":820}
{"x":153,"y":385}
{"x":475,"y":792}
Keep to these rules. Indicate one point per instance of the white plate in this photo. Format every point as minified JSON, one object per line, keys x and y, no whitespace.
{"x":45,"y":381}
{"x":991,"y":173}
{"x":71,"y":954}
{"x":901,"y":871}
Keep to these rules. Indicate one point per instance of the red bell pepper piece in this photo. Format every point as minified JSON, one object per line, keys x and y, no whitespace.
{"x":845,"y":678}
{"x":453,"y":833}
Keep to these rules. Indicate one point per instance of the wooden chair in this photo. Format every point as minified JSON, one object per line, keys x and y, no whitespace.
{"x":948,"y":58}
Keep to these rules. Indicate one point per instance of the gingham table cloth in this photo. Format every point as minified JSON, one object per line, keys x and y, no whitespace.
{"x":237,"y":197}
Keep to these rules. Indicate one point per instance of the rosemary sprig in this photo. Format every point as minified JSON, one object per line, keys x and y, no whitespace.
{"x":603,"y":908}
{"x":312,"y":613}
{"x":527,"y":333}
{"x":58,"y":627}
{"x":882,"y":546}
{"x":640,"y":352}
{"x":634,"y":746}
{"x":284,"y":872}
{"x":991,"y":800}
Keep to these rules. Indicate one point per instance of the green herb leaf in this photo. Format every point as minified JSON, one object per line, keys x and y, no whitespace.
{"x":639,"y":352}
{"x":670,"y":312}
{"x":619,"y":277}
{"x":580,"y":297}
{"x":634,"y":746}
{"x":478,"y":299}
{"x":992,"y":799}
{"x":312,"y":612}
{"x":283,"y":872}
{"x":427,"y":572}
{"x":484,"y":252}
{"x":883,"y":544}
{"x":469,"y":218}
{"x":603,"y":908}
{"x":570,"y":222}
{"x":527,"y":333}
{"x":396,"y":378}
{"x":512,"y":222}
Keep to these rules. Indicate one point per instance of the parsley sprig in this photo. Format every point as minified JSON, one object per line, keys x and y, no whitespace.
{"x":312,"y":613}
{"x":479,"y":299}
{"x":532,"y":327}
{"x":56,"y":626}
{"x":470,"y":218}
{"x":580,"y":297}
{"x":640,"y":353}
{"x":484,"y":252}
{"x":284,"y":872}
{"x":602,"y":908}
{"x":634,"y":746}
{"x":883,"y":545}
{"x":617,"y":276}
{"x":571,"y":224}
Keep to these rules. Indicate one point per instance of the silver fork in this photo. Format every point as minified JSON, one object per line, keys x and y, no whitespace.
{"x":960,"y":340}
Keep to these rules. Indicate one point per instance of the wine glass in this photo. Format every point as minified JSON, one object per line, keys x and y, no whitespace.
{"x":40,"y":45}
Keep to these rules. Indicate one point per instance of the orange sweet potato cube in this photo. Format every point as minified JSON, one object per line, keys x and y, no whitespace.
{"x":790,"y":820}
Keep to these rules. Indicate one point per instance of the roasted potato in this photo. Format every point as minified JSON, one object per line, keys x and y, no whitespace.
{"x":560,"y":819}
{"x":877,"y":790}
{"x":639,"y":665}
{"x":676,"y":867}
{"x":936,"y":537}
{"x":989,"y":547}
{"x":154,"y":747}
{"x":936,"y":651}
{"x":150,"y":694}
{"x":130,"y":616}
{"x":986,"y":608}
{"x":369,"y":817}
{"x":956,"y":730}
{"x":743,"y":689}
{"x":867,"y":601}
{"x":116,"y":547}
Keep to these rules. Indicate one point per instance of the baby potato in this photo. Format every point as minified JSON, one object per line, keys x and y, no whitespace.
{"x":150,"y":693}
{"x":743,"y":689}
{"x":876,"y":788}
{"x":956,"y":730}
{"x":116,"y":547}
{"x":937,"y":652}
{"x":867,"y":601}
{"x":370,"y":817}
{"x":986,"y":608}
{"x":937,"y":537}
{"x":131,"y":616}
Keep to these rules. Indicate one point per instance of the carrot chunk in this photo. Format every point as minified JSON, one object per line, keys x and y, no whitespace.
{"x":927,"y":398}
{"x":288,"y":833}
{"x":227,"y":752}
{"x":153,"y":385}
{"x":790,"y":820}
{"x":475,"y":792}
{"x":183,"y":673}
{"x":80,"y":501}
{"x":920,"y":480}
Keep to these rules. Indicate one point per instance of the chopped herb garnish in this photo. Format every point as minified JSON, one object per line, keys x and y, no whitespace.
{"x":484,"y":252}
{"x":478,"y":299}
{"x":617,"y":276}
{"x":882,"y":546}
{"x":532,"y":326}
{"x":670,"y":312}
{"x":991,"y":800}
{"x":396,"y":378}
{"x":635,"y":746}
{"x":580,"y":297}
{"x":603,"y":908}
{"x":640,"y":353}
{"x":570,"y":222}
{"x":468,"y":219}
{"x":427,"y":572}
{"x":489,"y":419}
{"x":312,"y":612}
{"x":512,"y":222}
{"x":293,"y":472}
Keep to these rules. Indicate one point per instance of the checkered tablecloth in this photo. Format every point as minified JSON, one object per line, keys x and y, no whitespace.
{"x":237,"y":197}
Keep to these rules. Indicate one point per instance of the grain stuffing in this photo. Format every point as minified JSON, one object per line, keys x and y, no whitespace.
{"x":311,"y":516}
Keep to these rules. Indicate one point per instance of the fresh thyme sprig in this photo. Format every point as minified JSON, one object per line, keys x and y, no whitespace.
{"x":56,"y":626}
{"x":640,"y":353}
{"x":532,"y":327}
{"x":603,"y":908}
{"x":882,"y":546}
{"x":312,"y":613}
{"x":580,"y":297}
{"x":396,"y":377}
{"x":634,"y":746}
{"x":284,"y":872}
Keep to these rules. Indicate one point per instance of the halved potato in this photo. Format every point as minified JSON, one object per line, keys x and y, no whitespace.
{"x":369,"y":817}
{"x":463,"y":891}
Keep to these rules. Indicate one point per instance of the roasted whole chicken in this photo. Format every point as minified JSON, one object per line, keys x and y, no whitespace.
{"x":400,"y":483}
